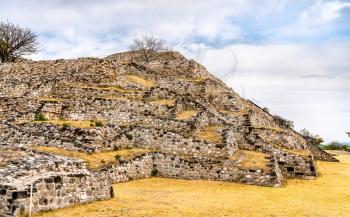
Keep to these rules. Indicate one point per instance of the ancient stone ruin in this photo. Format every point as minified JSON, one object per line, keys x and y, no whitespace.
{"x":71,"y":128}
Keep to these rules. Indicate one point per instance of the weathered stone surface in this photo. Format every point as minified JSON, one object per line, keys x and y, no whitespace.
{"x":138,"y":104}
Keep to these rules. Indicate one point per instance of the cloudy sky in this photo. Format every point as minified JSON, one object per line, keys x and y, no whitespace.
{"x":292,"y":56}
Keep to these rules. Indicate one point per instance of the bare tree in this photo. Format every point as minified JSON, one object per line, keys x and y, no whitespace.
{"x":16,"y":41}
{"x":148,"y":47}
{"x":348,"y":133}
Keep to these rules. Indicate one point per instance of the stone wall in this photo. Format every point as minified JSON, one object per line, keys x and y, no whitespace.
{"x":54,"y":191}
{"x":53,"y":135}
{"x":136,"y":168}
{"x":57,"y":181}
{"x":175,"y":143}
{"x":174,"y":166}
{"x":296,"y":165}
{"x":107,"y":137}
{"x":279,"y":138}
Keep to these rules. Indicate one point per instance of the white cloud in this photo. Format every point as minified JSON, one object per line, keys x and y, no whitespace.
{"x":305,"y":83}
{"x":323,"y":12}
{"x":103,"y":23}
{"x":308,"y":84}
{"x":314,"y":21}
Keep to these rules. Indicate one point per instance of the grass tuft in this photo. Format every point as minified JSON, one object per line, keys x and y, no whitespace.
{"x":40,"y":117}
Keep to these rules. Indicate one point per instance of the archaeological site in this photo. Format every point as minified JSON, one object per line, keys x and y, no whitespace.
{"x":69,"y":129}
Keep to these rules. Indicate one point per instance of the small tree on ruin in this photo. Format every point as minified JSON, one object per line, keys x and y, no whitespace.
{"x":16,"y":41}
{"x":313,"y":139}
{"x":283,"y":121}
{"x":148,"y":47}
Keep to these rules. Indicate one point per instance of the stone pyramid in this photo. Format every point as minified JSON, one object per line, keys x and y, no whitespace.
{"x":189,"y":124}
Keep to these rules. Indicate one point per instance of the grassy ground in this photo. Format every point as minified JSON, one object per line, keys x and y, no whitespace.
{"x":196,"y":80}
{"x":186,"y":114}
{"x":251,"y":159}
{"x":49,"y":99}
{"x":115,"y":88}
{"x":94,"y":160}
{"x":326,"y":196}
{"x":139,"y":80}
{"x":79,"y":124}
{"x":211,"y":134}
{"x":234,"y":114}
{"x":169,"y":102}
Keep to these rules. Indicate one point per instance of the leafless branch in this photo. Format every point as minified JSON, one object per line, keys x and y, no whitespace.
{"x":16,"y":41}
{"x":148,"y":47}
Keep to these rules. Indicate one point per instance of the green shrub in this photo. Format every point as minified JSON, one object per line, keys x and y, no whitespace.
{"x":98,"y":123}
{"x":115,"y":148}
{"x":154,"y":172}
{"x":103,"y":161}
{"x":40,"y":117}
{"x":65,"y":126}
{"x":129,"y":136}
{"x":128,"y":147}
{"x":23,"y":213}
{"x":69,"y":108}
{"x":117,"y":157}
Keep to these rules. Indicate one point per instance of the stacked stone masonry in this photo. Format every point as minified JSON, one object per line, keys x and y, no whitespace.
{"x":192,"y":123}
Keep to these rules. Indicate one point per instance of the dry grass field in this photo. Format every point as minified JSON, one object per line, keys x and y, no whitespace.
{"x":326,"y":196}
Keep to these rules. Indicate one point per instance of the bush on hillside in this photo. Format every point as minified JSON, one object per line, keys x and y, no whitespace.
{"x":313,"y":139}
{"x":40,"y":117}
